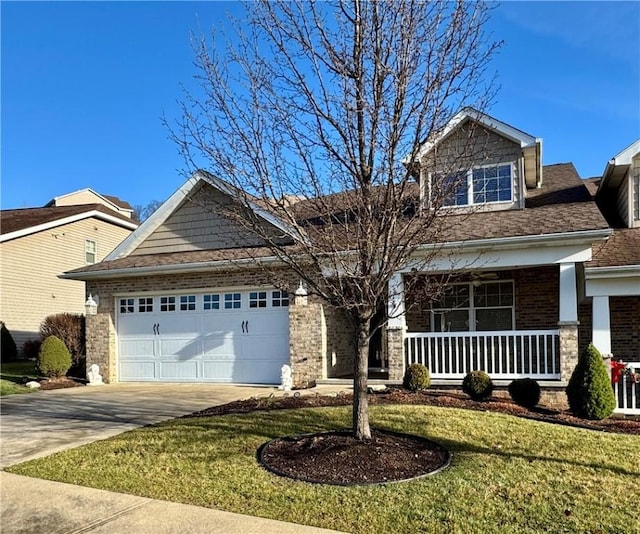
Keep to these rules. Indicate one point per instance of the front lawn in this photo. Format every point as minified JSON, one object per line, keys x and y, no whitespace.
{"x":12,"y":374}
{"x":507,"y":475}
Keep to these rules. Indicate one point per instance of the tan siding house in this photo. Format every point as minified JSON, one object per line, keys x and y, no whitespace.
{"x":38,"y":244}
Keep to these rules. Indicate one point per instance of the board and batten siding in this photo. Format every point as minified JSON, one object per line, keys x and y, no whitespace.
{"x":201,"y":224}
{"x":472,"y":145}
{"x":31,"y":289}
{"x":622,"y":201}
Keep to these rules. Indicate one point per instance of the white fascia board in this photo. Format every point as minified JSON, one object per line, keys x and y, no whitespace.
{"x":67,"y":220}
{"x":202,"y":266}
{"x":616,"y":271}
{"x":626,"y":286}
{"x":258,"y":210}
{"x":622,"y":159}
{"x":153,"y":222}
{"x":88,"y":189}
{"x":518,"y":136}
{"x":511,"y":252}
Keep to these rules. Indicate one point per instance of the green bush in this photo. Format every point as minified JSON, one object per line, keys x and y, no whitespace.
{"x":31,"y":348}
{"x":8,"y":348}
{"x":525,"y":392}
{"x":70,"y":328}
{"x":416,"y":377}
{"x":477,"y":384}
{"x":589,"y":392}
{"x":54,"y":359}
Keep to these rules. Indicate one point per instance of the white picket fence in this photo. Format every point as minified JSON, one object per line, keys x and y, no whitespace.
{"x":502,"y":354}
{"x":628,"y":392}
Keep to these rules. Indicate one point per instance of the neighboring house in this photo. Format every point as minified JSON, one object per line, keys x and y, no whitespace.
{"x":38,"y":244}
{"x":182,"y":298}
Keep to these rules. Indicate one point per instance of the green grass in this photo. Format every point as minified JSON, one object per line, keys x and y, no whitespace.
{"x":11,"y":374}
{"x":507,"y":475}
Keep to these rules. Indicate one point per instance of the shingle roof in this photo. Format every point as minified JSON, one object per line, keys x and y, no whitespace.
{"x":561,"y":205}
{"x":622,"y":248}
{"x":21,"y":219}
{"x":118,"y":202}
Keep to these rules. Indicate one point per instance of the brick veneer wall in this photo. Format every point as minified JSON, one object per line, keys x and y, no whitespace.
{"x":625,"y":327}
{"x":315,"y":333}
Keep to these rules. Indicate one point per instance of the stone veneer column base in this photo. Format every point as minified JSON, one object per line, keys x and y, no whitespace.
{"x":568,"y":348}
{"x":395,"y":352}
{"x":307,"y":342}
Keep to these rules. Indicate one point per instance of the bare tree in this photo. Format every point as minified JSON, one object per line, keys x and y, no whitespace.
{"x":142,"y":212}
{"x":327,"y":104}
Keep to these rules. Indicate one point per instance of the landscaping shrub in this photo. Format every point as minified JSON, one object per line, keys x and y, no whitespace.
{"x":70,"y":328}
{"x":416,"y":377}
{"x":525,"y":392}
{"x":589,"y":392}
{"x":31,"y":348}
{"x":8,"y":347}
{"x":477,"y":384}
{"x":54,"y":359}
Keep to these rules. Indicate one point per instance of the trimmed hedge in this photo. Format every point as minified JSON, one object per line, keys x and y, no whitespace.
{"x":70,"y":328}
{"x":525,"y":392}
{"x":8,"y":347}
{"x":54,"y":359}
{"x":416,"y":377}
{"x":589,"y":392}
{"x":477,"y":384}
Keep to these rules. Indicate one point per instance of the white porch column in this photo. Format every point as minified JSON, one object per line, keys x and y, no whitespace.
{"x":568,"y":293}
{"x":395,"y":302}
{"x":601,"y":333}
{"x":396,"y":323}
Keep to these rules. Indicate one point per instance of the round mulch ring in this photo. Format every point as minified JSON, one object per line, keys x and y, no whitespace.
{"x":337,"y":458}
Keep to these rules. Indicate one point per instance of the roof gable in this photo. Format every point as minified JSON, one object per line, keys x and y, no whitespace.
{"x":187,"y":222}
{"x":21,"y":222}
{"x":81,"y":196}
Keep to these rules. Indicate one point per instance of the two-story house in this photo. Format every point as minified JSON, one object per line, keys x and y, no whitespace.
{"x":38,"y":244}
{"x":179,"y":300}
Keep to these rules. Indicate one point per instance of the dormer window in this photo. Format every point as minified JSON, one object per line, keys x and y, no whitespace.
{"x":479,"y":185}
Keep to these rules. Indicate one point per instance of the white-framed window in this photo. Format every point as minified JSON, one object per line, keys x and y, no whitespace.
{"x":232,"y":301}
{"x":279,"y":299}
{"x":485,"y":184}
{"x":257,"y":299}
{"x":475,"y":306}
{"x":145,"y":304}
{"x":187,"y":303}
{"x":90,"y":251}
{"x":211,"y":302}
{"x":127,"y":305}
{"x":167,"y":304}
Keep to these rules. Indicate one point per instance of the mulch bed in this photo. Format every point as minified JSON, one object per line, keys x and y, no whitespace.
{"x":335,"y":457}
{"x":622,"y":425}
{"x":60,"y":383}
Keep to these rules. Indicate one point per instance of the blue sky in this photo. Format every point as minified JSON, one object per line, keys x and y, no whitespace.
{"x":85,"y":84}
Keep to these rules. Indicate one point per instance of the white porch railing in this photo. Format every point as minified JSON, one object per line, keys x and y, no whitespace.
{"x":628,"y":392}
{"x":503,"y":354}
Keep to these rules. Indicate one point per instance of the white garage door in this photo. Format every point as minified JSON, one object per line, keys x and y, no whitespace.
{"x":218,"y":336}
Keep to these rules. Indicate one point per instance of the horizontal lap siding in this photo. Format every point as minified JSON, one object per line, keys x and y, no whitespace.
{"x":31,"y":289}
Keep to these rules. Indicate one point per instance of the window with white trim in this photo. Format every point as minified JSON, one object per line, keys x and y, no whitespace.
{"x":127,"y":305}
{"x":145,"y":304}
{"x":485,"y":184}
{"x":279,"y":299}
{"x":474,"y":306}
{"x":187,"y":303}
{"x":90,"y":251}
{"x":257,"y":299}
{"x":167,"y":304}
{"x":232,"y":301}
{"x":211,"y":302}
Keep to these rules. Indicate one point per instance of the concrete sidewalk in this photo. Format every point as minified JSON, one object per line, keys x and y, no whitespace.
{"x":42,"y":423}
{"x":34,"y":506}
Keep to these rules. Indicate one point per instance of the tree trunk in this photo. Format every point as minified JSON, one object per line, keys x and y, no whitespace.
{"x":361,"y":428}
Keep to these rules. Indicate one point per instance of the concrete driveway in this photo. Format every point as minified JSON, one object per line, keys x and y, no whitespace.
{"x":42,"y":423}
{"x":39,"y":424}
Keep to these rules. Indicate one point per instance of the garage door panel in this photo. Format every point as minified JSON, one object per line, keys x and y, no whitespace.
{"x":218,"y":371}
{"x":245,"y":345}
{"x":181,"y":348}
{"x":136,"y":348}
{"x":141,"y":370}
{"x":170,"y":370}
